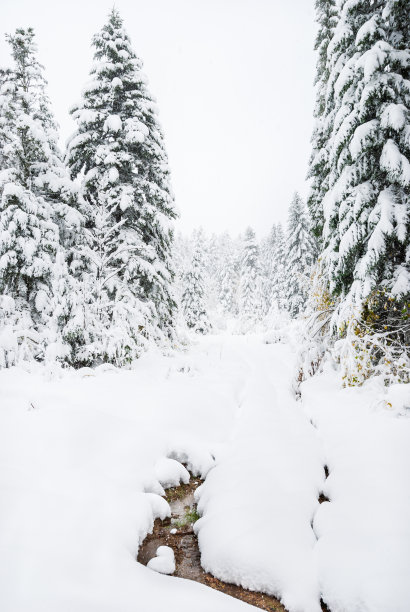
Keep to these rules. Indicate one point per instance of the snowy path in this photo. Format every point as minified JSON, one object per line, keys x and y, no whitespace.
{"x":259,"y":501}
{"x":83,"y":460}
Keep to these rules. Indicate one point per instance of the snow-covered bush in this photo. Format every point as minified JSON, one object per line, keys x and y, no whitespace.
{"x":363,"y":352}
{"x":19,"y":342}
{"x":313,"y":343}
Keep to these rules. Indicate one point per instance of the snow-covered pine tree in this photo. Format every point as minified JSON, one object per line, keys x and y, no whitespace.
{"x":33,"y":185}
{"x":300,"y":255}
{"x":106,"y":321}
{"x":268,"y":268}
{"x":278,"y":295}
{"x":250,"y":290}
{"x":272,"y":241}
{"x":366,"y":232}
{"x":211,"y":251}
{"x":118,"y":151}
{"x":228,"y":277}
{"x":326,"y":17}
{"x":32,"y":133}
{"x":181,"y":253}
{"x":194,"y":298}
{"x":7,"y":118}
{"x":227,"y":289}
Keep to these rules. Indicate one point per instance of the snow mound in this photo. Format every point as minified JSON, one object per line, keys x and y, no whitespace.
{"x":170,"y":472}
{"x":164,"y":562}
{"x":195,"y":456}
{"x":160,"y":506}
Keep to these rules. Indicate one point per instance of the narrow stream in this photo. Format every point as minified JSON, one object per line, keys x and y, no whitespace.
{"x":177,"y":532}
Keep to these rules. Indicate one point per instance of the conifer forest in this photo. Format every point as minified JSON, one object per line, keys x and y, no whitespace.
{"x":195,"y":418}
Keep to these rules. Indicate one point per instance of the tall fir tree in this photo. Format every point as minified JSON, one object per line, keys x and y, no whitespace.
{"x":300,"y":256}
{"x":181,"y":252}
{"x":250,"y":303}
{"x":35,"y":194}
{"x":118,"y":151}
{"x":366,"y":209}
{"x":194,"y":298}
{"x":228,"y":280}
{"x":326,"y":18}
{"x":7,"y":120}
{"x":212,"y":262}
{"x":278,"y":288}
{"x":268,"y":267}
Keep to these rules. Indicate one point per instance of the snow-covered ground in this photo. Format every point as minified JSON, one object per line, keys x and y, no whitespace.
{"x":363,"y":548}
{"x":84,"y":457}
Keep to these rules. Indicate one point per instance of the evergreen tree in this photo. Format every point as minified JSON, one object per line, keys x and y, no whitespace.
{"x":299,"y":260}
{"x":228,"y":285}
{"x":118,"y":150}
{"x":278,"y":289}
{"x":250,"y":298}
{"x":8,"y":135}
{"x":33,"y":185}
{"x":326,"y":17}
{"x":182,"y":255}
{"x":211,"y":251}
{"x":212,"y":260}
{"x":108,"y":322}
{"x":222,"y":269}
{"x":193,"y":299}
{"x":268,"y":267}
{"x":30,"y":152}
{"x":366,"y":231}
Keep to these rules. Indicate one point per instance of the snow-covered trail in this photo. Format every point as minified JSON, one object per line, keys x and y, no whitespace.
{"x":84,"y":458}
{"x":82,"y":462}
{"x":259,"y":501}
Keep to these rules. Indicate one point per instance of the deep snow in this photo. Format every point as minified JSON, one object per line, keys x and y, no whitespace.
{"x":364,"y":531}
{"x":84,"y":459}
{"x":259,"y":501}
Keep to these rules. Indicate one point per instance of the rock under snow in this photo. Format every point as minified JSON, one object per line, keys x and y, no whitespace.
{"x":164,"y":562}
{"x":170,"y":472}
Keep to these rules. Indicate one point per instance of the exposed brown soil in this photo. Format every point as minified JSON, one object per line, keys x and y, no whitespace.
{"x":185,"y":546}
{"x":322,"y":496}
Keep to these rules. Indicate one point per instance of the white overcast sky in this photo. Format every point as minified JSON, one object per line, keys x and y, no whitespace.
{"x":234,"y":84}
